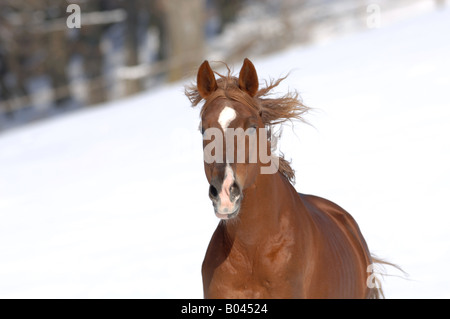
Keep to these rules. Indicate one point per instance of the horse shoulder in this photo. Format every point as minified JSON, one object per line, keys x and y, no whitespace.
{"x":225,"y":269}
{"x":216,"y":253}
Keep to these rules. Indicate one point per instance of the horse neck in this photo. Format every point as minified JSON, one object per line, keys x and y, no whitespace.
{"x":260,"y":213}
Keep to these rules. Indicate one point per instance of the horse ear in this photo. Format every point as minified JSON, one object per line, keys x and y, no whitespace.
{"x":248,"y":79}
{"x":206,"y":81}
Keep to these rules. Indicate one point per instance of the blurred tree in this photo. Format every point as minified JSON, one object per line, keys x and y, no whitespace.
{"x":88,"y":44}
{"x":227,"y":11}
{"x":185,"y":24}
{"x":133,"y":8}
{"x":5,"y":49}
{"x":58,"y":53}
{"x":440,"y":3}
{"x":158,"y":20}
{"x":17,"y":44}
{"x":36,"y":47}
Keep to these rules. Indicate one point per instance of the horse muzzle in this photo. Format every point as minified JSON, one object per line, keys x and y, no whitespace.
{"x":226,"y":198}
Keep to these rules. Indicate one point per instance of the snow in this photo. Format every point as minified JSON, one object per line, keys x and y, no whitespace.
{"x":111,"y":202}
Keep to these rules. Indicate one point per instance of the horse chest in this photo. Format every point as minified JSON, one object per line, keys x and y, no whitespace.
{"x":266,"y":274}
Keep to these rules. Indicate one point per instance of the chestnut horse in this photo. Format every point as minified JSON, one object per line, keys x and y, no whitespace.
{"x":271,"y":241}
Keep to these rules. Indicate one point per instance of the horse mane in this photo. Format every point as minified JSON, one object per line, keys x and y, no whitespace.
{"x":273,"y":110}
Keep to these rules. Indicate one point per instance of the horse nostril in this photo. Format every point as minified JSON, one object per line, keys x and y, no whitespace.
{"x":234,"y":191}
{"x":213,"y":192}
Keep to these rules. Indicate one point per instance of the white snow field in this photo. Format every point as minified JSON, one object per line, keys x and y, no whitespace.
{"x":111,"y":202}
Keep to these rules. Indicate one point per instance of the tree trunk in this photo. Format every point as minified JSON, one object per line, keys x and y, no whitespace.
{"x":132,"y":86}
{"x":185,"y":20}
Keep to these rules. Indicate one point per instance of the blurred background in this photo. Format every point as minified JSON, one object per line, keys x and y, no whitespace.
{"x":102,"y":186}
{"x":125,"y":47}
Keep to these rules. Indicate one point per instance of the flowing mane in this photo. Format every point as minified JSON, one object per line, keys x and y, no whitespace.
{"x":273,"y":111}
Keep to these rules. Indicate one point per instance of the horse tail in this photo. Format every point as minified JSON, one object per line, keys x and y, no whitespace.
{"x":377,"y":269}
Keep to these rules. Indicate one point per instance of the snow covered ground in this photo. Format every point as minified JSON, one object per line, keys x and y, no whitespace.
{"x":112,"y":201}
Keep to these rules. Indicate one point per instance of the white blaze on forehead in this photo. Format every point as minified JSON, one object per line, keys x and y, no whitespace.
{"x":226,"y":116}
